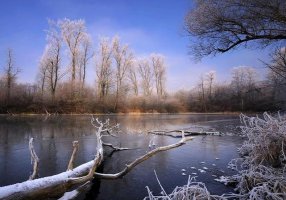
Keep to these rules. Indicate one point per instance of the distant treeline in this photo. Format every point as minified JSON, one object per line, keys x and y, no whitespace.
{"x":243,"y":93}
{"x":124,"y":83}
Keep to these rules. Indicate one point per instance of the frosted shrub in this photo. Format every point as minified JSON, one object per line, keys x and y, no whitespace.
{"x":266,"y":140}
{"x":192,"y":190}
{"x":261,"y":170}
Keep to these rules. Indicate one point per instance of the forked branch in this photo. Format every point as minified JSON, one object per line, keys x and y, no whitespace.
{"x":139,"y":160}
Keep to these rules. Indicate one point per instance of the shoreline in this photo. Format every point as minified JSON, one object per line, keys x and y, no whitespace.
{"x":129,"y":113}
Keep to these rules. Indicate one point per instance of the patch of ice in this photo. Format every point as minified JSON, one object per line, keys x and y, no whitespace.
{"x":222,"y":179}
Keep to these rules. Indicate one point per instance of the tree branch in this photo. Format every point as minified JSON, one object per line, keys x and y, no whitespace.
{"x":75,"y":148}
{"x":34,"y":160}
{"x":139,"y":160}
{"x":115,"y":148}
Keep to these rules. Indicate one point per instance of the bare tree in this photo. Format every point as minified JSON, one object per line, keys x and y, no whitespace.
{"x":85,"y":55}
{"x":159,"y":73}
{"x":10,"y":73}
{"x":132,"y":75}
{"x":243,"y":81}
{"x":202,"y":93}
{"x":51,"y":60}
{"x":42,"y":77}
{"x":73,"y":33}
{"x":146,"y":76}
{"x":222,"y":25}
{"x":123,"y":60}
{"x":210,"y":76}
{"x":103,"y":68}
{"x":278,"y":86}
{"x":278,"y":62}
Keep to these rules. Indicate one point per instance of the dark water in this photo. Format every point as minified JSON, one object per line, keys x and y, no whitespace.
{"x":53,"y":143}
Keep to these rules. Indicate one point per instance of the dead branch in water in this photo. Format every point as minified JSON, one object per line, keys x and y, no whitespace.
{"x":34,"y":160}
{"x":114,"y":147}
{"x":47,"y":113}
{"x":75,"y":178}
{"x":75,"y":148}
{"x":139,"y":160}
{"x":188,"y":132}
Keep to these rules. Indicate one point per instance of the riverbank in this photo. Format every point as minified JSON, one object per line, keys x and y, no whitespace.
{"x":132,"y":113}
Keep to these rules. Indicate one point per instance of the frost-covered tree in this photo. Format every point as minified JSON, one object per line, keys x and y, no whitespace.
{"x":222,"y":25}
{"x":146,"y":75}
{"x":104,"y":68}
{"x":278,"y":62}
{"x":159,"y":70}
{"x":85,"y":54}
{"x":133,"y":78}
{"x":50,"y":63}
{"x":73,"y":33}
{"x":243,"y":82}
{"x":202,"y":93}
{"x":243,"y":78}
{"x":210,"y":78}
{"x":123,"y":61}
{"x":10,"y":73}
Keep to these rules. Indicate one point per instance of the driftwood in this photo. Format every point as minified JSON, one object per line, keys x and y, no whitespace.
{"x":75,"y":179}
{"x":188,"y":132}
{"x":34,"y":160}
{"x":143,"y":158}
{"x":114,"y":147}
{"x":75,"y":193}
{"x":47,"y":113}
{"x":10,"y":113}
{"x":75,"y":148}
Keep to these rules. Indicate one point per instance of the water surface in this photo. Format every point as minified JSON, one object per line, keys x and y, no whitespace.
{"x":53,"y":138}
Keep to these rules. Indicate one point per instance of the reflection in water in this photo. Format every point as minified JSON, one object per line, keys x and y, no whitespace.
{"x":53,"y":144}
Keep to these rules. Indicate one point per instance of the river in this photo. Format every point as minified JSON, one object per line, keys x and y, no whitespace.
{"x":53,"y":138}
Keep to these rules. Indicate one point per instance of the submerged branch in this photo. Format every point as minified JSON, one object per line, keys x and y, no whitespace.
{"x":173,"y":133}
{"x":34,"y":160}
{"x":75,"y":148}
{"x":114,"y":147}
{"x":139,"y":160}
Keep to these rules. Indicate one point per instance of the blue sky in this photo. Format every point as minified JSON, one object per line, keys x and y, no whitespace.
{"x":146,"y":25}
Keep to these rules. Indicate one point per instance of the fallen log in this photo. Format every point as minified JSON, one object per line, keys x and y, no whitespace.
{"x":174,"y":133}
